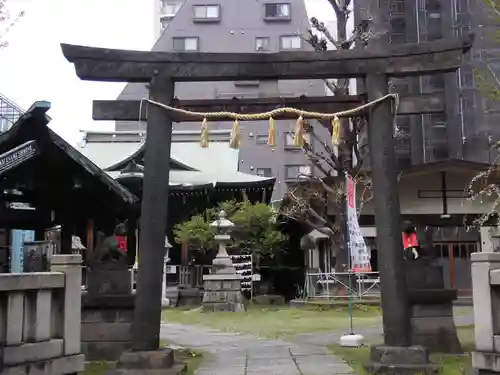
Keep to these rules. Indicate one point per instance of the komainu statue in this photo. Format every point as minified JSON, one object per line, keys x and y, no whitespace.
{"x":112,"y":248}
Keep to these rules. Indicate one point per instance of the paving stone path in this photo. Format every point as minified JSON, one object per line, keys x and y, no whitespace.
{"x":239,"y":354}
{"x":235,"y":354}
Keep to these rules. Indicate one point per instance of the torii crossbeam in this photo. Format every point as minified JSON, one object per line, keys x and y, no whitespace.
{"x":101,"y":64}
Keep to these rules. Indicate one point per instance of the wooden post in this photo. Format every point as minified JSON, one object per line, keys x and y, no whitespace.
{"x":396,"y":317}
{"x":153,"y":221}
{"x":184,"y":254}
{"x":131,"y":240}
{"x":89,"y":253}
{"x":66,"y":233}
{"x":451,"y":259}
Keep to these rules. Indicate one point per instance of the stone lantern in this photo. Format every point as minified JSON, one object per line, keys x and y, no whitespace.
{"x":223,"y":285}
{"x":165,"y":302}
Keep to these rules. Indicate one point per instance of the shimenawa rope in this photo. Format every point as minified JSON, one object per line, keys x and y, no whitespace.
{"x":298,"y":138}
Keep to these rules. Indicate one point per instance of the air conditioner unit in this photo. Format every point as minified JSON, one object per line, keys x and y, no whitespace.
{"x":166,"y":16}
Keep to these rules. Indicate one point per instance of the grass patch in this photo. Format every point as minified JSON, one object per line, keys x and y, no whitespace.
{"x":450,"y":364}
{"x":97,"y":368}
{"x":192,"y":358}
{"x":276,"y":321}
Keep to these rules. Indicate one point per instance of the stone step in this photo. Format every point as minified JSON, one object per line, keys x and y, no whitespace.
{"x":159,"y":360}
{"x":427,"y":369}
{"x":176,"y":369}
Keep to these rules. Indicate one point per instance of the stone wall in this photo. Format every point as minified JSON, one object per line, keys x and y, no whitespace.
{"x":486,"y":299}
{"x":106,"y":326}
{"x":107,"y":311}
{"x":40,"y":320}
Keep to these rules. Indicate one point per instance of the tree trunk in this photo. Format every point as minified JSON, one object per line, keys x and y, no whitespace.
{"x":345,"y":150}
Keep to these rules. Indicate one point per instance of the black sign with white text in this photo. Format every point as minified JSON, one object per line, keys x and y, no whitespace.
{"x":17,"y":156}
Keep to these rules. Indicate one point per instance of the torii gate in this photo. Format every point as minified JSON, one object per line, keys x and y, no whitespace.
{"x":163,"y":69}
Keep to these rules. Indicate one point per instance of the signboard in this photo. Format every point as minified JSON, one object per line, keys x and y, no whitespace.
{"x":171,"y":270}
{"x":360,"y":254}
{"x":17,"y":156}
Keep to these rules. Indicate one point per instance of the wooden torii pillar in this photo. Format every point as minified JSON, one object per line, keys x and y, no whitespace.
{"x":162,"y":69}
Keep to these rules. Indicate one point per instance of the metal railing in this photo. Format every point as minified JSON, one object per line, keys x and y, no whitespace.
{"x":360,"y":285}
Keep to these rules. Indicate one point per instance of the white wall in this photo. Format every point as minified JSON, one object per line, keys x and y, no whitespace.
{"x":411,"y":204}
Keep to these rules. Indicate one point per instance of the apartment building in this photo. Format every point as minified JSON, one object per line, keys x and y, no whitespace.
{"x":260,"y":26}
{"x":439,"y":154}
{"x":469,"y":128}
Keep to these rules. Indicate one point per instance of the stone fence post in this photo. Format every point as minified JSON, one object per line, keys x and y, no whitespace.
{"x":486,"y":298}
{"x":71,"y":266}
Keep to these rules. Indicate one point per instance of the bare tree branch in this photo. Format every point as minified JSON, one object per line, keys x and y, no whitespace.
{"x":7,"y":22}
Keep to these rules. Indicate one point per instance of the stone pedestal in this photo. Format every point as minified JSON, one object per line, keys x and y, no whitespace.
{"x":431,"y":304}
{"x":109,"y":279}
{"x":392,"y":360}
{"x":223,"y":287}
{"x":107,"y":311}
{"x":160,"y":362}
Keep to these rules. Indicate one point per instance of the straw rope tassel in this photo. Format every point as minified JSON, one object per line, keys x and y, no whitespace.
{"x":235,"y":136}
{"x":298,"y":137}
{"x":204,"y":134}
{"x":271,"y":135}
{"x":299,"y":128}
{"x":335,"y":131}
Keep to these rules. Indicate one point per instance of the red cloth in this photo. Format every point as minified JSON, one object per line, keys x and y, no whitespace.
{"x":410,"y":240}
{"x":122,"y":241}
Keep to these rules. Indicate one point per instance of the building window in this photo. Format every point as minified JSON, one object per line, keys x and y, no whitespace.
{"x":290,"y":42}
{"x":185,"y":44}
{"x":278,"y":11}
{"x":434,"y":26}
{"x":399,"y":85}
{"x":289,"y":139}
{"x":169,"y":9}
{"x":397,"y":7}
{"x":4,"y":124}
{"x":462,"y":6}
{"x":262,"y":44}
{"x":433,"y":6}
{"x":247,"y":83}
{"x":397,"y":32}
{"x":293,"y":172}
{"x":432,"y":83}
{"x":204,"y":13}
{"x":165,"y":21}
{"x":467,"y":79}
{"x":261,"y":139}
{"x":264,"y":172}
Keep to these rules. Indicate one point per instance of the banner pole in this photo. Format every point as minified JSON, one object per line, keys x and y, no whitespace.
{"x":349,"y":254}
{"x":355,"y":246}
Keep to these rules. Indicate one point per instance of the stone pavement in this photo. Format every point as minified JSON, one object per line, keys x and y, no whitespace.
{"x":235,"y":354}
{"x":239,"y":354}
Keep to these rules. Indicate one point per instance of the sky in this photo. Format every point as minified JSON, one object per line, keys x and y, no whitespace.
{"x":33,"y":68}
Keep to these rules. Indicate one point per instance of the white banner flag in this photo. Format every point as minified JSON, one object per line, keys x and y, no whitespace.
{"x":360,"y":254}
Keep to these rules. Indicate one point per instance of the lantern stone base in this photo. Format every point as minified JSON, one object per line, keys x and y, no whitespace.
{"x":222,"y":293}
{"x":390,"y":360}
